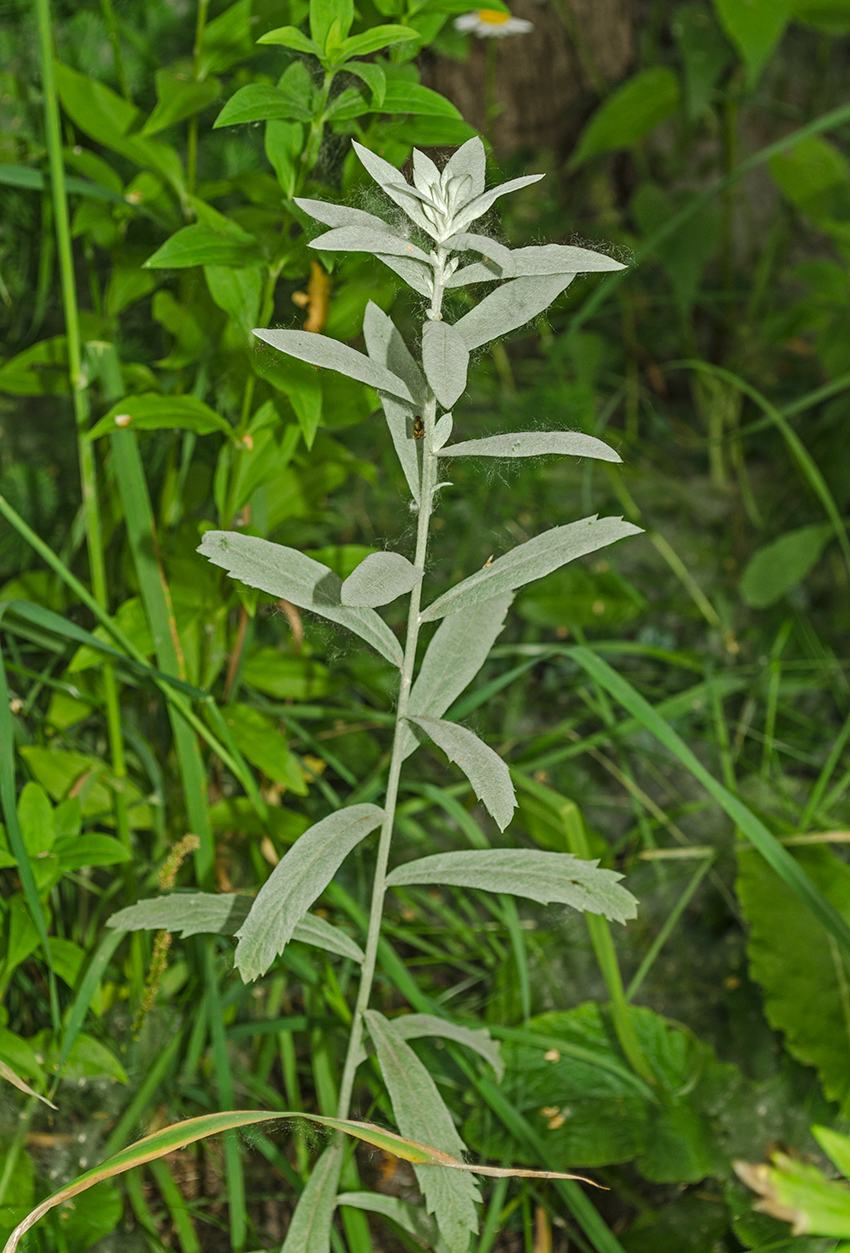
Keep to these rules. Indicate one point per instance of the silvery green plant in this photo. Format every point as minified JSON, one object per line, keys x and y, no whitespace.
{"x":432,"y":256}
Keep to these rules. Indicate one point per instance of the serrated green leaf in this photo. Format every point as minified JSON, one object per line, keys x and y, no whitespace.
{"x":445,"y":360}
{"x":333,"y":355}
{"x":534,"y":444}
{"x":529,"y":561}
{"x":421,"y":1114}
{"x":509,"y":307}
{"x":485,"y":769}
{"x":148,"y":411}
{"x":284,"y":572}
{"x":300,"y":876}
{"x":379,"y":579}
{"x":631,"y":111}
{"x":415,"y":1026}
{"x":550,"y":878}
{"x":799,"y":966}
{"x":203,"y":245}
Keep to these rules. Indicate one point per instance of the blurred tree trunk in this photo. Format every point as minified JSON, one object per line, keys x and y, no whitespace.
{"x":548,"y":80}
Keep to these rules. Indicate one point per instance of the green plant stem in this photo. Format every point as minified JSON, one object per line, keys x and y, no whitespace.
{"x":79,"y":391}
{"x":192,"y":145}
{"x":426,"y":493}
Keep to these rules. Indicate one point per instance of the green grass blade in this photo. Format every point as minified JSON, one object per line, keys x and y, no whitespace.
{"x":789,"y":870}
{"x":85,"y":992}
{"x":668,"y":928}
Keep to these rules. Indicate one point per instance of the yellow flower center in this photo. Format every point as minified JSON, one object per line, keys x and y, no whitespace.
{"x":493,"y":17}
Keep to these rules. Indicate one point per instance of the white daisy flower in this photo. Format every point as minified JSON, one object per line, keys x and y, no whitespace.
{"x":492,"y":24}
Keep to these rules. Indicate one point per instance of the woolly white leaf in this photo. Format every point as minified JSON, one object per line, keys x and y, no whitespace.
{"x":309,"y":1229}
{"x":414,"y":1026}
{"x":386,"y":346}
{"x":485,"y":770}
{"x":379,"y":579}
{"x":342,"y":215}
{"x":445,"y":359}
{"x":300,"y":876}
{"x":421,"y":1114}
{"x":534,"y":444}
{"x":364,"y":239}
{"x":469,"y":161}
{"x":498,"y":253}
{"x":426,"y":176}
{"x":479,"y":206}
{"x":285,"y":572}
{"x":529,"y":561}
{"x":332,"y":355}
{"x":197,"y":913}
{"x":393,"y":182}
{"x":550,"y":878}
{"x":560,"y":259}
{"x":510,"y":306}
{"x":479,"y":272}
{"x":442,"y":432}
{"x":414,"y":273}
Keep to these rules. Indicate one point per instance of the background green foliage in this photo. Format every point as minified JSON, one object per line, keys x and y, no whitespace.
{"x":719,"y":369}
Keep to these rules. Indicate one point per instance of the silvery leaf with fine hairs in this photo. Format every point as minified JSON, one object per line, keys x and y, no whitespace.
{"x":488,"y":774}
{"x":534,"y":444}
{"x":550,"y":878}
{"x":510,"y":307}
{"x":330,"y":353}
{"x":379,"y":579}
{"x":445,"y":359}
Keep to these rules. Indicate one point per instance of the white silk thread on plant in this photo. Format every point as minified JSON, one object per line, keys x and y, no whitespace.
{"x":492,"y":24}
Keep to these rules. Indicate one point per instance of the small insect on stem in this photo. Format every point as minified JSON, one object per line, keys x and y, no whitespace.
{"x":418,"y":428}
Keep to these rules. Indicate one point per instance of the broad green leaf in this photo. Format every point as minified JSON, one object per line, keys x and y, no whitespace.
{"x":237,"y":291}
{"x":35,"y":815}
{"x":379,"y":579}
{"x":685,"y":253}
{"x":300,"y":876}
{"x":705,"y":53}
{"x":59,"y":771}
{"x":373,"y":40}
{"x":456,"y":653}
{"x":777,"y":568}
{"x":836,"y":1147}
{"x":261,"y":102}
{"x":179,"y":1135}
{"x":534,"y":444}
{"x":91,"y":1217}
{"x":41,"y":370}
{"x":291,"y":37}
{"x":259,"y":737}
{"x":198,"y":913}
{"x":478,"y":206}
{"x":148,"y":411}
{"x":309,"y":1229}
{"x":799,"y":966}
{"x":179,"y":98}
{"x":284,"y":572}
{"x":131,"y":620}
{"x":323,"y":15}
{"x":332,"y":355}
{"x":373,"y":76}
{"x":285,"y":677}
{"x":510,"y":306}
{"x":445,"y":360}
{"x":7,"y":1073}
{"x":365,"y":239}
{"x":485,"y":769}
{"x":111,"y":120}
{"x":529,"y":561}
{"x":203,"y":245}
{"x":550,"y":878}
{"x":814,"y":176}
{"x":421,"y":1114}
{"x":755,"y":27}
{"x":407,"y":97}
{"x":386,"y":347}
{"x":632,"y":110}
{"x":832,"y":16}
{"x":284,"y":143}
{"x":800,"y":1193}
{"x":34,"y":180}
{"x":76,"y":851}
{"x":414,"y":1026}
{"x":411,"y":1218}
{"x":228,"y":38}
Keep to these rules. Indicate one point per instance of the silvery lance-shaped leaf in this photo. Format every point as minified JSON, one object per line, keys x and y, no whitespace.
{"x":560,"y":259}
{"x":445,"y":359}
{"x":550,"y":878}
{"x":198,"y":913}
{"x":469,"y":161}
{"x":426,"y":176}
{"x":332,"y":355}
{"x":529,"y":561}
{"x":442,"y":432}
{"x":342,"y":215}
{"x":488,"y":774}
{"x":300,"y":876}
{"x":509,"y":306}
{"x":534,"y":444}
{"x":386,"y":346}
{"x":363,"y":239}
{"x":309,"y":1229}
{"x":379,"y":579}
{"x":396,"y":186}
{"x":479,"y":206}
{"x":287,"y":573}
{"x":414,"y":273}
{"x":421,"y":1115}
{"x":414,"y":1026}
{"x":498,"y":253}
{"x":478,"y":272}
{"x":458,"y":650}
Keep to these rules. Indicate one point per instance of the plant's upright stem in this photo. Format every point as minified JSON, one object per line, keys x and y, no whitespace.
{"x":426,"y":492}
{"x":79,"y":384}
{"x":192,"y":148}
